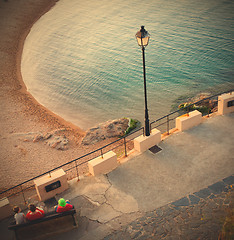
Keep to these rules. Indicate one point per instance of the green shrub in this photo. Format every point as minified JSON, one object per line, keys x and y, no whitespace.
{"x":133,"y":123}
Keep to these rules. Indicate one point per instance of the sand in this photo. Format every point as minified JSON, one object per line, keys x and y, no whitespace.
{"x":21,"y":114}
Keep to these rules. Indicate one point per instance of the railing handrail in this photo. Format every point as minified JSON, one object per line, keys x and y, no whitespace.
{"x":99,"y":149}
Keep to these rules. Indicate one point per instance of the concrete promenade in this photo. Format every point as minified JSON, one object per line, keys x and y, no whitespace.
{"x":182,"y":192}
{"x":184,"y":181}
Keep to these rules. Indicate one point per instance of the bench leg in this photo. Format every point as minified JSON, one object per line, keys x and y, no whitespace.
{"x":16,"y":235}
{"x":74,"y":220}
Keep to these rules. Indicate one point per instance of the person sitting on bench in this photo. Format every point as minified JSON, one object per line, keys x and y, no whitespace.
{"x":34,"y":212}
{"x":19,"y":216}
{"x":63,"y":206}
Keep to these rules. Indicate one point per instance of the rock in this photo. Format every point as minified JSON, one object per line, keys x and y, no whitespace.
{"x":47,"y":136}
{"x":37,"y":138}
{"x":57,"y":142}
{"x":117,"y":128}
{"x":110,"y":129}
{"x":52,"y":138}
{"x":210,"y":103}
{"x":22,"y":150}
{"x":205,"y":106}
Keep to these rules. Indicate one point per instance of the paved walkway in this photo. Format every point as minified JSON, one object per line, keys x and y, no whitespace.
{"x":182,"y":192}
{"x":207,"y":214}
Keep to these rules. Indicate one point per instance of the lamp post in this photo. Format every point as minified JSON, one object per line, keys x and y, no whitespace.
{"x":142,"y":37}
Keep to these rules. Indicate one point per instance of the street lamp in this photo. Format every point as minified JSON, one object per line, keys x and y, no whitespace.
{"x":142,"y":37}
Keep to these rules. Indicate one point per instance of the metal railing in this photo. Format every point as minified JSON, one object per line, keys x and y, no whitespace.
{"x":77,"y":164}
{"x":120,"y":146}
{"x":167,"y":119}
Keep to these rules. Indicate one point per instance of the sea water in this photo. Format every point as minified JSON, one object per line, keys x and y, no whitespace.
{"x":81,"y":59}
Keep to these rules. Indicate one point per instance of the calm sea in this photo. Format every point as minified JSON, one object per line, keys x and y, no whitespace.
{"x":81,"y":59}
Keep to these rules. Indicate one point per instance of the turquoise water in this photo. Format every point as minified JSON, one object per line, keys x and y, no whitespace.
{"x":81,"y":59}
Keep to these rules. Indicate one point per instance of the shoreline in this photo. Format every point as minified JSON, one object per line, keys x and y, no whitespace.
{"x":23,"y":88}
{"x":21,"y":114}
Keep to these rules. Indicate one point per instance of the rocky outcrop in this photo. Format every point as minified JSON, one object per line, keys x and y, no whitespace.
{"x":53,"y":138}
{"x":205,"y":106}
{"x":209,"y":103}
{"x":110,"y":129}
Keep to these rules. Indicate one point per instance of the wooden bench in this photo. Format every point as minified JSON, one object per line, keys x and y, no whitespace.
{"x":48,"y":217}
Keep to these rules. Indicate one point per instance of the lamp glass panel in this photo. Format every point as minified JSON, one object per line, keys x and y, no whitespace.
{"x":145,"y":40}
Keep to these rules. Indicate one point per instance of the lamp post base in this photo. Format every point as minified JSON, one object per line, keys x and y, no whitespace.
{"x":147,"y":128}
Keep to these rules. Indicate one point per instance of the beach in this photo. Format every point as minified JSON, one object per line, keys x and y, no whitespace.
{"x":22,"y":117}
{"x":26,"y":146}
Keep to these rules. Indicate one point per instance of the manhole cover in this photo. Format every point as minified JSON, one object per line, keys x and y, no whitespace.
{"x":155,"y":149}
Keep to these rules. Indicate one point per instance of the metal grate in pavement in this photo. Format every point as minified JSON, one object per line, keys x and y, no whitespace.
{"x":155,"y":149}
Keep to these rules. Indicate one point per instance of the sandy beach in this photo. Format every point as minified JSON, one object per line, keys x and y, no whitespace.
{"x":22,"y":117}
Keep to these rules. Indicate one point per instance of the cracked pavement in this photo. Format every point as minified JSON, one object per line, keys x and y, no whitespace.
{"x":104,"y":202}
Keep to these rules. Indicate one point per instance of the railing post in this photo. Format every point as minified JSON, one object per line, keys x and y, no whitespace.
{"x":23,"y":194}
{"x":125,"y":147}
{"x":167,"y":124}
{"x":208,"y":112}
{"x":101,"y":153}
{"x":77,"y":172}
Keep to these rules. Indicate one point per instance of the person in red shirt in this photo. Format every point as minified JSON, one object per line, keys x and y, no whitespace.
{"x":63,"y":206}
{"x":34,"y":212}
